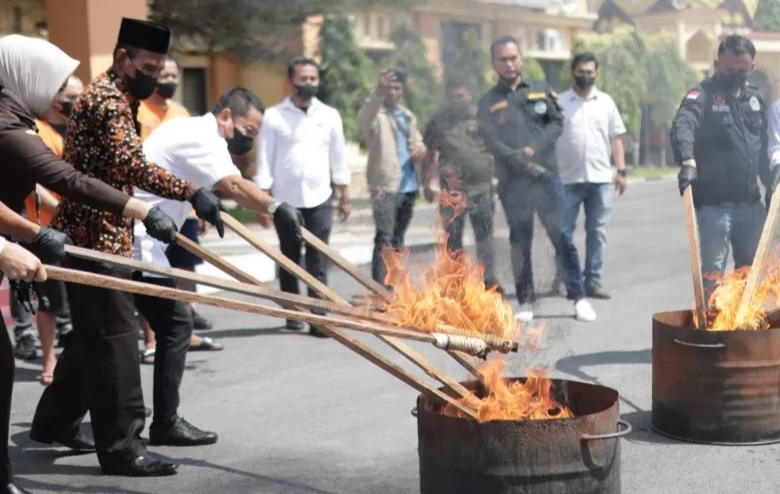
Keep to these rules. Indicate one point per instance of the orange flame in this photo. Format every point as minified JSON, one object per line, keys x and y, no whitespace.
{"x":516,"y":400}
{"x":723,"y":305}
{"x":451,"y":292}
{"x":451,"y":296}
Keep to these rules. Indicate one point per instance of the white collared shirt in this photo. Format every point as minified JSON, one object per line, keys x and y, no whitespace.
{"x":301,"y":153}
{"x":773,"y":147}
{"x":584,"y":150}
{"x":192,"y":149}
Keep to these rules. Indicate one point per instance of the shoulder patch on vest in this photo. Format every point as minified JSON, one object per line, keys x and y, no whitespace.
{"x":693,"y":94}
{"x":498,"y":106}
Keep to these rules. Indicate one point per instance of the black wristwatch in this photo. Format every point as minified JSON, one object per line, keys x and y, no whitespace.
{"x":622,"y":173}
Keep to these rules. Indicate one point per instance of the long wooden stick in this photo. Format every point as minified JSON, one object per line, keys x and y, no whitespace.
{"x":326,"y":292}
{"x":282,"y":298}
{"x":152,"y":290}
{"x":761,"y":252}
{"x":216,"y":261}
{"x":377,"y":288}
{"x":108,"y":282}
{"x":339,"y":260}
{"x":695,"y":258}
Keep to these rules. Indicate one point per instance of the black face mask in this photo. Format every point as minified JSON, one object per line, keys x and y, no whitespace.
{"x":306,"y":91}
{"x":240,"y":143}
{"x":167,"y":90}
{"x":734,"y":80}
{"x":584,"y":81}
{"x":66,"y":108}
{"x":141,"y":86}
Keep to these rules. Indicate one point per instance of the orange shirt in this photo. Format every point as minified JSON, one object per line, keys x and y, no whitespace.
{"x":151,"y":115}
{"x":54,"y":141}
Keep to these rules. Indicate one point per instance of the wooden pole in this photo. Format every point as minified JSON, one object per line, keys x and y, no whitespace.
{"x":377,"y":288}
{"x":110,"y":283}
{"x":326,"y":292}
{"x":339,"y":260}
{"x":282,"y":298}
{"x":215,"y":260}
{"x":695,"y":258}
{"x":754,"y":275}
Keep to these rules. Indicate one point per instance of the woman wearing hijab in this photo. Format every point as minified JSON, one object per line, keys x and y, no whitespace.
{"x":32,"y":71}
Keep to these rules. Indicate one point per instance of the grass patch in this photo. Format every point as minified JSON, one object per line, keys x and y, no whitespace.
{"x":650,"y":171}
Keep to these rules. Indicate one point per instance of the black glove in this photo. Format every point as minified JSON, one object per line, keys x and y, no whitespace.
{"x":537,"y":171}
{"x":49,"y":245}
{"x":160,"y":226}
{"x":288,"y":218}
{"x":686,"y":177}
{"x":208,"y":206}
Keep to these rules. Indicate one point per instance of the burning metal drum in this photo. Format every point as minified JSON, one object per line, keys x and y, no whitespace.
{"x":715,"y":387}
{"x":579,"y":455}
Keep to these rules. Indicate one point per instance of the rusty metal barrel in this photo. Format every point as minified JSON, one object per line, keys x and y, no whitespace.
{"x":579,"y":455}
{"x":715,"y":387}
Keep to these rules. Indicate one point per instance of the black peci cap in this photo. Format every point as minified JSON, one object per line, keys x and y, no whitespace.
{"x":145,"y":35}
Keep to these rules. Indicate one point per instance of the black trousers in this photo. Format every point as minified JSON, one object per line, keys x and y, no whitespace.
{"x":171,"y":322}
{"x":480,"y":209}
{"x":98,"y":371}
{"x":392,"y":216}
{"x":319,"y":221}
{"x":520,"y":200}
{"x":6,"y":390}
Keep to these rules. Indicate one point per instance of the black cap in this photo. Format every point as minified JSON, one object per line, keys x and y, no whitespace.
{"x":145,"y":35}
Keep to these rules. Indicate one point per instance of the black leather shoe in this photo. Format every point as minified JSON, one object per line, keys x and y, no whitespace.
{"x":142,"y":466}
{"x":13,"y":489}
{"x":293,"y":325}
{"x":316,"y":332}
{"x":595,"y":291}
{"x":180,"y":433}
{"x":77,"y":442}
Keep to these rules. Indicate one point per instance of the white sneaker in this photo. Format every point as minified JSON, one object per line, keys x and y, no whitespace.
{"x":524,"y":314}
{"x":584,"y":311}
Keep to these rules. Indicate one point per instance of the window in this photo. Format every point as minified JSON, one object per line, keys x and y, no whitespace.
{"x":193,"y":90}
{"x":549,"y":40}
{"x":381,"y":27}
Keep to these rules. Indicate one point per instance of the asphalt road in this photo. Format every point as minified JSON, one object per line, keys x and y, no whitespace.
{"x":298,"y":415}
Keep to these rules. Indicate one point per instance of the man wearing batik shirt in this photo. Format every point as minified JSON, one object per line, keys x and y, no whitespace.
{"x":99,"y":371}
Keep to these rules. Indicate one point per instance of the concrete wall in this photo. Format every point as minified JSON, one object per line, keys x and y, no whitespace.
{"x":87,"y":29}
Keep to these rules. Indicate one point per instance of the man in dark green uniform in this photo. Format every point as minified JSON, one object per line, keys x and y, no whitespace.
{"x":466,"y":174}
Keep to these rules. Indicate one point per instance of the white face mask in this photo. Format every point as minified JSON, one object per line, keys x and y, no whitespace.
{"x":32,"y":71}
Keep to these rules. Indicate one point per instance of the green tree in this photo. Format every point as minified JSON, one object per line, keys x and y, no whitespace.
{"x":767,"y":16}
{"x":423,"y":95}
{"x":255,"y":29}
{"x":533,"y":70}
{"x":347,"y":74}
{"x":472,"y":63}
{"x":668,"y":78}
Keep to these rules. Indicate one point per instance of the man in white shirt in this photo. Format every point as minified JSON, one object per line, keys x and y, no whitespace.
{"x":301,"y":162}
{"x":591,"y":136}
{"x":199,"y":149}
